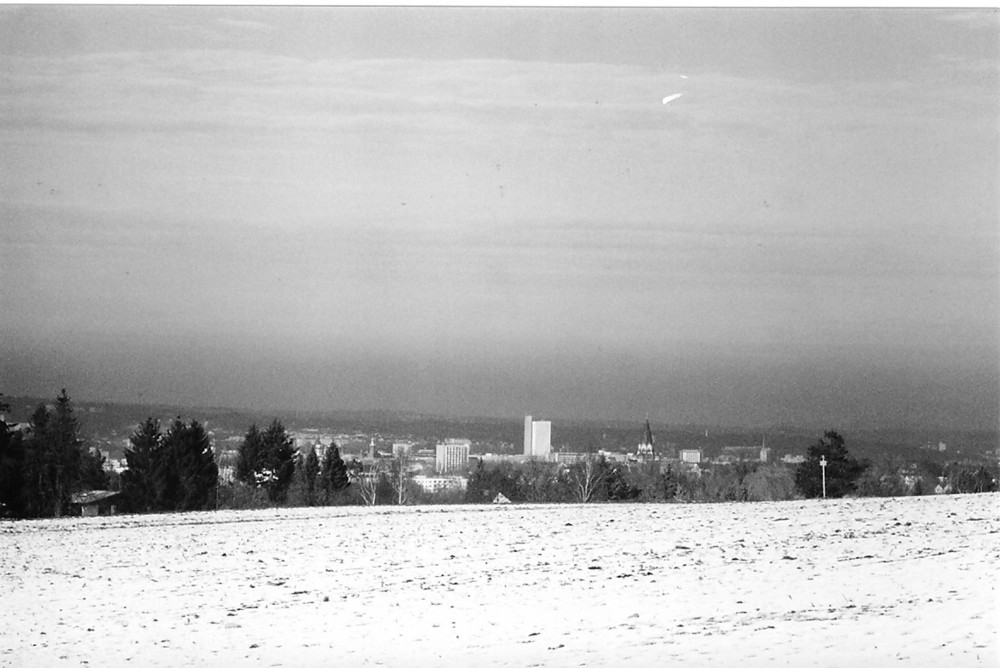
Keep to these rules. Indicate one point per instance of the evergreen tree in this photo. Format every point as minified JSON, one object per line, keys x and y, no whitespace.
{"x":52,"y":461}
{"x":185,"y":472}
{"x":618,"y":488}
{"x":166,"y":469}
{"x":11,"y":472}
{"x":310,"y":474}
{"x":199,"y":474}
{"x":249,"y":460}
{"x":670,"y":483}
{"x":35,"y":491}
{"x":138,"y":480}
{"x":333,"y":476}
{"x":488,"y":481}
{"x":92,"y":473}
{"x":539,"y":482}
{"x":66,"y":454}
{"x":842,"y":470}
{"x":279,"y":461}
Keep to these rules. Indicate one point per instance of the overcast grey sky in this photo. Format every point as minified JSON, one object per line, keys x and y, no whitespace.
{"x":491,"y":211}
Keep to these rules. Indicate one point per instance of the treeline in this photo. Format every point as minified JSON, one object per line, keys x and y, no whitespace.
{"x":596,"y":480}
{"x":40,"y":470}
{"x":269,"y":471}
{"x":42,"y":467}
{"x":177,"y":469}
{"x":828,"y":467}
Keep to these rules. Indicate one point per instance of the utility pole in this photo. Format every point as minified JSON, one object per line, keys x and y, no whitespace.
{"x":822,"y":465}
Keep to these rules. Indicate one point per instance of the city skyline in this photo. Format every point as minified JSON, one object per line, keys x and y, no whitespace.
{"x":499,"y":211}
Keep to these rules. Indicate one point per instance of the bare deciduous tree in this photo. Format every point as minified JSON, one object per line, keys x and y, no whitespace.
{"x":368,"y":482}
{"x":399,"y":479}
{"x":586,"y":476}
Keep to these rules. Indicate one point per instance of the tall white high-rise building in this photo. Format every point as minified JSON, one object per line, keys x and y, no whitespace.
{"x":452,"y":455}
{"x":527,"y":435}
{"x":537,"y":437}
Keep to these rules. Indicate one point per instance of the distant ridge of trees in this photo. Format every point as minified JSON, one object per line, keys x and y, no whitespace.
{"x":44,"y":463}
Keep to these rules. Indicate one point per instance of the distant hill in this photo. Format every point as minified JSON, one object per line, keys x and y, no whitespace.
{"x":110,"y":424}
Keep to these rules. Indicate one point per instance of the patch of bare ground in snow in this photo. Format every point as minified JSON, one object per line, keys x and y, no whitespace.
{"x":872,"y":582}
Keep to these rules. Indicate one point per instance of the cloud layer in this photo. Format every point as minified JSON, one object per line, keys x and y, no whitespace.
{"x":434,"y":206}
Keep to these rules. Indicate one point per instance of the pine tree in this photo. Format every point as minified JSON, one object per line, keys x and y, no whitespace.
{"x":11,"y":472}
{"x":199,"y":474}
{"x":249,"y":460}
{"x":92,"y":473}
{"x":618,"y":488}
{"x":185,"y":472}
{"x":35,"y":488}
{"x":279,"y":461}
{"x":138,"y":480}
{"x":65,"y":447}
{"x":333,"y":477}
{"x":488,"y":481}
{"x":53,"y":456}
{"x":842,"y":470}
{"x":166,"y":469}
{"x":310,"y":472}
{"x":669,"y":481}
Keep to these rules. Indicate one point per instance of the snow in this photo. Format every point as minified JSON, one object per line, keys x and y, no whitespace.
{"x":873,"y":582}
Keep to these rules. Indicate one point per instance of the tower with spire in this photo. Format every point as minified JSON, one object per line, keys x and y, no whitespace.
{"x":645,"y":449}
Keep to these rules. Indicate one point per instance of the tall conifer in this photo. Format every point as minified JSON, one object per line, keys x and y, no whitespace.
{"x":138,"y":480}
{"x":279,"y":460}
{"x":333,"y":477}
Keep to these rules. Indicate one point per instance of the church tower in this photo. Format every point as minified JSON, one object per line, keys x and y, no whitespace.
{"x":645,"y":449}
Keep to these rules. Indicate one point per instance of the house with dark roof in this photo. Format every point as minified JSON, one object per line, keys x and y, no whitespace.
{"x":94,"y":503}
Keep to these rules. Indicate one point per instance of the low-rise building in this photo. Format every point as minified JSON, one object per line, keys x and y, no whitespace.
{"x":97,"y":502}
{"x":402,"y":449}
{"x":690,"y":456}
{"x":433,"y":484}
{"x":745,"y":453}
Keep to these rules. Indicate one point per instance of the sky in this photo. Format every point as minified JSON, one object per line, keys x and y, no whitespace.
{"x":492,"y":212}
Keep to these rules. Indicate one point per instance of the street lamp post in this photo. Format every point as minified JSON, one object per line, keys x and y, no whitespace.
{"x":822,"y":465}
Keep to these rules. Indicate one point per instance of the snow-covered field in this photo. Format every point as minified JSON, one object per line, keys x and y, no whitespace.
{"x":869,"y":582}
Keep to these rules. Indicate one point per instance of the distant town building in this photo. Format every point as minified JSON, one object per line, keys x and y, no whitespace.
{"x":609,"y":456}
{"x":569,"y":457}
{"x":793,"y":459}
{"x":537,"y":437}
{"x":690,"y":456}
{"x":452,"y":455}
{"x":433,"y":484}
{"x":402,"y":449}
{"x":743,"y":453}
{"x":304,"y":443}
